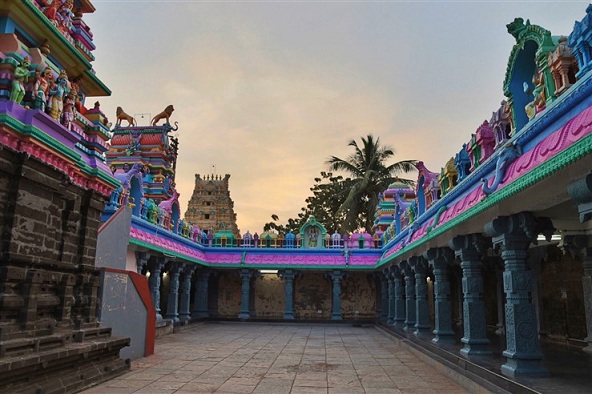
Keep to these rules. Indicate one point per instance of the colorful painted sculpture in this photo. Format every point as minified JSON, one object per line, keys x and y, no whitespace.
{"x":56,"y":96}
{"x":121,"y":115}
{"x":166,"y":114}
{"x":41,"y":87}
{"x":21,"y":76}
{"x":69,"y":112}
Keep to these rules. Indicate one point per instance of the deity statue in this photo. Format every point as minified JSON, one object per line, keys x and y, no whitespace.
{"x":69,"y":112}
{"x":41,"y":87}
{"x":21,"y":75}
{"x":56,"y":93}
{"x":539,"y":97}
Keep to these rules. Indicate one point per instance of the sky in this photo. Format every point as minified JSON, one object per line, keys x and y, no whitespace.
{"x":267,"y":91}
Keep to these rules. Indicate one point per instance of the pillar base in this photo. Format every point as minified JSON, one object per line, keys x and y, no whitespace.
{"x":244,"y":315}
{"x":515,"y":367}
{"x":443,"y":337}
{"x":288,"y":316}
{"x":336,"y":317}
{"x":475,"y":347}
{"x":422,"y":331}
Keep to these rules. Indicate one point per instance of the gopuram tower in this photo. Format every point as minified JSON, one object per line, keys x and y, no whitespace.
{"x":210,"y":206}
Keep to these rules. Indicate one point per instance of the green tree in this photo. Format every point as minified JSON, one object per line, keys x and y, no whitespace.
{"x":328,"y":194}
{"x":370,"y":175}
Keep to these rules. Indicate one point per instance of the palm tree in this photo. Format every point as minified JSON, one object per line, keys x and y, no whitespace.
{"x":370,"y":175}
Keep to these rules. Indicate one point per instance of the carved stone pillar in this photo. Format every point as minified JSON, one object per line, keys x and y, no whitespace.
{"x":581,"y":191}
{"x":288,"y":276}
{"x":336,"y":277}
{"x":500,"y":327}
{"x":439,"y":259}
{"x":154,"y":283}
{"x":422,"y":309}
{"x":513,"y":235}
{"x":245,"y":275}
{"x":469,"y":249}
{"x":185,"y":292}
{"x":390,"y":296}
{"x":200,"y":297}
{"x":141,"y":261}
{"x":410,"y":307}
{"x":578,"y":246}
{"x":172,"y":311}
{"x":384,"y":296}
{"x":400,"y":310}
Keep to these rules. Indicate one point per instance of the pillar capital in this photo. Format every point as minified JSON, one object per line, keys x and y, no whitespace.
{"x":581,"y":191}
{"x":439,"y":257}
{"x":141,"y":260}
{"x":469,"y":247}
{"x":418,"y":264}
{"x":517,"y":231}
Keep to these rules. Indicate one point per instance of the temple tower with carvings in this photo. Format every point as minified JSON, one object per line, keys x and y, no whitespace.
{"x":210,"y":206}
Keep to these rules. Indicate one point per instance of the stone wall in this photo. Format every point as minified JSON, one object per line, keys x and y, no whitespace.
{"x":358,"y":296}
{"x":229,"y":294}
{"x":312,"y":296}
{"x":48,"y":282}
{"x":269,"y":296}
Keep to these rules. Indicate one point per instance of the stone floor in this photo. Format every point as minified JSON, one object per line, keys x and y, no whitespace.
{"x":280,"y":358}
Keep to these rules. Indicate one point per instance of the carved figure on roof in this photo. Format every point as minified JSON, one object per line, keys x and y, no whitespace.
{"x":51,"y":11}
{"x":126,"y":178}
{"x":69,"y":112}
{"x":56,"y":96}
{"x":121,"y":115}
{"x":166,"y":114}
{"x":167,"y":205}
{"x":462,"y":163}
{"x":42,"y":82}
{"x":21,"y":76}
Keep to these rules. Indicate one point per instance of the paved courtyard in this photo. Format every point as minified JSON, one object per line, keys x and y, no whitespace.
{"x":280,"y":358}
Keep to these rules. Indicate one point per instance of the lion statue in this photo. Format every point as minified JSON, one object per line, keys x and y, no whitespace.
{"x":121,"y":115}
{"x":166,"y":114}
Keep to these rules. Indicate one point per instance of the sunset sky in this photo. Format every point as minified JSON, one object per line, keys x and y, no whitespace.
{"x":267,"y":91}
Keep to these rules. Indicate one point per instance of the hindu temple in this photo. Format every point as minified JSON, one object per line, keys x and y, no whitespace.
{"x":480,"y":264}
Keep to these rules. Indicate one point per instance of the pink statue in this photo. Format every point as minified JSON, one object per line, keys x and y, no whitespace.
{"x":69,"y":112}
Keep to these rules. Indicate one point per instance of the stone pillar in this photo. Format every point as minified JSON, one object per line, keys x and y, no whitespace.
{"x":288,"y":276}
{"x":587,"y":285}
{"x":581,"y":191}
{"x":200,"y":297}
{"x":410,"y":307}
{"x":390,"y":296}
{"x":513,"y":235}
{"x":469,"y":249}
{"x":384,"y":296}
{"x":399,"y":283}
{"x":185,"y":292}
{"x":578,"y":246}
{"x":499,"y":288}
{"x":172,"y":311}
{"x":154,"y":283}
{"x":245,"y":275}
{"x":141,"y":261}
{"x":336,"y":277}
{"x":439,"y":259}
{"x":422,"y":310}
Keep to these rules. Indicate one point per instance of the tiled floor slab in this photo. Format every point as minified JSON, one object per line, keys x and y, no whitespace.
{"x":279,"y":358}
